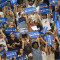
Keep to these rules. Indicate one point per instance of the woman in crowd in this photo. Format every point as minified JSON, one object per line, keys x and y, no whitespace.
{"x":27,"y":47}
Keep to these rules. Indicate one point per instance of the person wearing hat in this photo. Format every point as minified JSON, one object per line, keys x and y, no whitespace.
{"x":13,"y":43}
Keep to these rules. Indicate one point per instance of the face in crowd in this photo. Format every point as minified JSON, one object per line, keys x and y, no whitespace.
{"x":30,"y":3}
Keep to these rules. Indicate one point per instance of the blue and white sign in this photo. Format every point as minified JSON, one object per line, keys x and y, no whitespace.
{"x":13,"y":2}
{"x":22,"y":26}
{"x":33,"y":34}
{"x":3,"y":20}
{"x":53,"y":2}
{"x":16,"y":33}
{"x":55,"y":17}
{"x":22,"y":19}
{"x":11,"y":54}
{"x":43,"y":4}
{"x":0,"y":26}
{"x":58,"y":32}
{"x":9,"y":30}
{"x":3,"y":3}
{"x":58,"y":24}
{"x":41,"y":34}
{"x":44,"y":29}
{"x":44,"y":10}
{"x":29,"y":10}
{"x":22,"y":58}
{"x":2,"y":52}
{"x":49,"y":39}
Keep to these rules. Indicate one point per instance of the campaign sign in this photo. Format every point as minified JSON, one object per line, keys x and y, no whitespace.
{"x":3,"y":20}
{"x":44,"y":10}
{"x":58,"y":24}
{"x":44,"y":29}
{"x":49,"y":39}
{"x":58,"y":32}
{"x":9,"y":30}
{"x":21,"y":58}
{"x":29,"y":10}
{"x":3,"y":3}
{"x":23,"y":30}
{"x":43,"y":4}
{"x":18,"y":58}
{"x":55,"y":17}
{"x":13,"y":2}
{"x":0,"y":26}
{"x":22,"y":25}
{"x":16,"y":33}
{"x":33,"y":34}
{"x":53,"y":2}
{"x":22,"y":19}
{"x":2,"y":52}
{"x":41,"y":34}
{"x":11,"y":54}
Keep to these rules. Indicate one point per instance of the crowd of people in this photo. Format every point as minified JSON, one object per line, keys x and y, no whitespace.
{"x":33,"y":48}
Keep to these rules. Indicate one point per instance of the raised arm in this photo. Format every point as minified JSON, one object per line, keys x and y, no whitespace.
{"x":38,"y":40}
{"x":35,"y":2}
{"x":26,"y":3}
{"x":46,"y":49}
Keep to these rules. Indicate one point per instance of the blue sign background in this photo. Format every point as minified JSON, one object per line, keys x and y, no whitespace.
{"x":22,"y":58}
{"x":50,"y":1}
{"x":22,"y":26}
{"x":30,"y":10}
{"x":58,"y":24}
{"x":55,"y":17}
{"x":9,"y":30}
{"x":13,"y":2}
{"x":0,"y":26}
{"x":44,"y":10}
{"x":3,"y":3}
{"x":16,"y":33}
{"x":44,"y":4}
{"x":58,"y":32}
{"x":49,"y":39}
{"x":42,"y":34}
{"x":10,"y":54}
{"x":33,"y":34}
{"x":2,"y":52}
{"x":3,"y":20}
{"x":44,"y":29}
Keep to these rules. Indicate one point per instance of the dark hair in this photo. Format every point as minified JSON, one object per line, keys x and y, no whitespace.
{"x":19,"y":13}
{"x":24,"y":35}
{"x":44,"y":15}
{"x":34,"y":44}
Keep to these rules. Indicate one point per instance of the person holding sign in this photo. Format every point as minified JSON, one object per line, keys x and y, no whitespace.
{"x":46,"y":21}
{"x":26,"y":46}
{"x":21,"y":54}
{"x":57,"y":48}
{"x":36,"y":52}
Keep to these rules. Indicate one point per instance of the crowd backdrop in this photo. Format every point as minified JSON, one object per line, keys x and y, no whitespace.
{"x":29,"y":29}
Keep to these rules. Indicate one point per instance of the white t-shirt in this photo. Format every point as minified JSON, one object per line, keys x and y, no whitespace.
{"x":33,"y":17}
{"x":46,"y":23}
{"x":3,"y":42}
{"x":1,"y":13}
{"x":37,"y":8}
{"x":17,"y":16}
{"x":44,"y":56}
